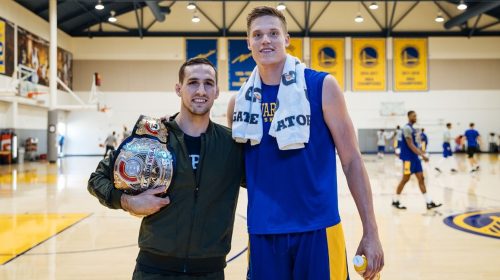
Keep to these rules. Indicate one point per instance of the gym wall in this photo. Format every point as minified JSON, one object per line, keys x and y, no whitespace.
{"x":139,"y":76}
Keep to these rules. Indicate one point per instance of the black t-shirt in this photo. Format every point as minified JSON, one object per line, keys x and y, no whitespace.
{"x":193,"y":145}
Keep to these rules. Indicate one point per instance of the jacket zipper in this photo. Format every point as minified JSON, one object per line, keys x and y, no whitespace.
{"x":197,"y":176}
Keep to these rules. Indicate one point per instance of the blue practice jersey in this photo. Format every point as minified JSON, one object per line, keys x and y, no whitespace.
{"x":471,"y":135}
{"x":292,"y":190}
{"x":406,"y":152}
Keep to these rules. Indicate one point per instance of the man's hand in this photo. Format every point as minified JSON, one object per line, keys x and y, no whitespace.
{"x":372,"y":249}
{"x":145,"y":203}
{"x":425,"y":158}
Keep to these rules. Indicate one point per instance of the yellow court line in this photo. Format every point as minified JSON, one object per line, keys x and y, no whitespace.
{"x":21,"y":232}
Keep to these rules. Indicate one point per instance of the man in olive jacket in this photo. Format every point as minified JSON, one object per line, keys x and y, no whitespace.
{"x":188,"y":233}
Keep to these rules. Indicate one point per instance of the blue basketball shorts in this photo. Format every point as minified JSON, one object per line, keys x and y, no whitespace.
{"x":412,"y":166}
{"x":312,"y":255}
{"x":447,"y":150}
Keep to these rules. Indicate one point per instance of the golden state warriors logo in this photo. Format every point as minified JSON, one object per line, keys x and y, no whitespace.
{"x":368,"y":56}
{"x":484,"y":223}
{"x":410,"y":57}
{"x":327,"y":57}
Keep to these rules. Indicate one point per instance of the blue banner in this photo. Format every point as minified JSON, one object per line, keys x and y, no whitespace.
{"x":241,"y":63}
{"x":206,"y":48}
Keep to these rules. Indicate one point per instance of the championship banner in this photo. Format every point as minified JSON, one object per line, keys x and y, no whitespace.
{"x":241,"y":63}
{"x":328,"y":55}
{"x":296,"y":48}
{"x":2,"y":47}
{"x":369,"y":65}
{"x":205,"y":48}
{"x":410,"y":64}
{"x":6,"y":47}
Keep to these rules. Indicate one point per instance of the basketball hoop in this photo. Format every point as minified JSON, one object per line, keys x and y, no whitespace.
{"x":392,"y":109}
{"x":108,"y":111}
{"x":103,"y":109}
{"x":34,"y":94}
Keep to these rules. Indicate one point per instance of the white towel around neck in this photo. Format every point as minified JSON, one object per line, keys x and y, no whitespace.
{"x":291,"y":121}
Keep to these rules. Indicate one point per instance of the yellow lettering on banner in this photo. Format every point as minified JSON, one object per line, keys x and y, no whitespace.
{"x":328,"y":55}
{"x":410,"y":64}
{"x":369,"y":64}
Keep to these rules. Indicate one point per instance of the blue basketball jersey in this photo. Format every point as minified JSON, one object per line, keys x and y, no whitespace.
{"x":293,"y":190}
{"x":471,"y":135}
{"x":406,"y":152}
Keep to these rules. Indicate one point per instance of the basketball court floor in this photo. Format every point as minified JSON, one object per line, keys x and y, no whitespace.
{"x":52,"y":228}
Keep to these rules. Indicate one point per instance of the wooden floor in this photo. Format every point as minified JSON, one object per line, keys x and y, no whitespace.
{"x":51,"y":228}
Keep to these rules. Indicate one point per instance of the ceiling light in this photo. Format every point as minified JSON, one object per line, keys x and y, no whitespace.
{"x":281,"y":6}
{"x":195,"y":19}
{"x":191,"y":5}
{"x":439,"y":17}
{"x":359,"y":18}
{"x":373,"y":6}
{"x":112,"y":18}
{"x":462,"y":6}
{"x":99,"y":6}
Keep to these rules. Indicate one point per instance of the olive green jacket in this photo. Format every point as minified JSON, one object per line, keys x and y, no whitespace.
{"x":193,"y":233}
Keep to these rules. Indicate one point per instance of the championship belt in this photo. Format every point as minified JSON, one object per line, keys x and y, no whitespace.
{"x":143,"y":160}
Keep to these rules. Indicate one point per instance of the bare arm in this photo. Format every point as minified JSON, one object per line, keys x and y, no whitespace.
{"x":414,"y":149}
{"x":230,"y":111}
{"x":340,"y":125}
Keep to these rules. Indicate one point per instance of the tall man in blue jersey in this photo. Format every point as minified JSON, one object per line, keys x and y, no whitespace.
{"x":473,"y":139}
{"x":411,"y":163}
{"x":293,"y":218}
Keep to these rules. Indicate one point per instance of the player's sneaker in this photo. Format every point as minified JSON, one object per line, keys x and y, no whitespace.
{"x":432,"y":205}
{"x":398,"y":205}
{"x":437,"y":169}
{"x":453,"y":170}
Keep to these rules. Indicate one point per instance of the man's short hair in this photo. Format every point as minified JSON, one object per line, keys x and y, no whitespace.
{"x":265,"y":11}
{"x":471,"y":124}
{"x":448,"y":124}
{"x":410,"y":112}
{"x":195,"y":61}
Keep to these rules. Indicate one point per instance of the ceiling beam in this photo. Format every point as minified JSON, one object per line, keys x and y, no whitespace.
{"x":134,"y":33}
{"x":119,"y":9}
{"x":404,"y":15}
{"x":372,"y":16}
{"x":489,"y":25}
{"x":207,"y":17}
{"x":295,"y":19}
{"x":475,"y":25}
{"x":307,"y":11}
{"x":471,"y":12}
{"x":139,"y":23}
{"x":238,"y":15}
{"x":389,"y":28}
{"x":320,"y":14}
